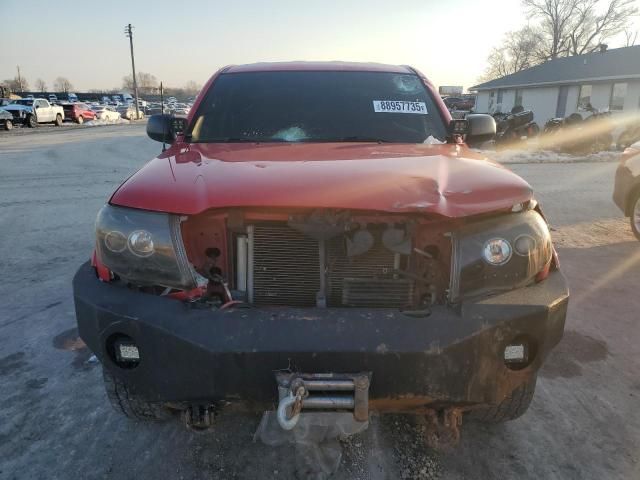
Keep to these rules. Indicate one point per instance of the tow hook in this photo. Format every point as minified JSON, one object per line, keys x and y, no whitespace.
{"x":321,"y":392}
{"x":443,"y":428}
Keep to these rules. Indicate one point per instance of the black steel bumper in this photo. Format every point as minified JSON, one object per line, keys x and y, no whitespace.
{"x":450,"y":357}
{"x":624,"y":184}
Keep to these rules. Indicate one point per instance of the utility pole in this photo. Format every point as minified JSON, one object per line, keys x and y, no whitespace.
{"x":19,"y":79}
{"x":128,"y":31}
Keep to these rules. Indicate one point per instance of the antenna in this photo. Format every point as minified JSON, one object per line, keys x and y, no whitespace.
{"x":164,"y":129}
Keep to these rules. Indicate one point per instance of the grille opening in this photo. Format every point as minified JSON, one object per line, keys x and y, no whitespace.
{"x":287,"y":271}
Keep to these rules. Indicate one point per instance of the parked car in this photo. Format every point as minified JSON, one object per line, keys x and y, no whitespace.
{"x":31,"y":112}
{"x":106,"y":112}
{"x":6,"y":119}
{"x":78,"y":112}
{"x":626,"y":192}
{"x":129,"y":112}
{"x":5,"y":101}
{"x":318,"y":235}
{"x":53,"y":98}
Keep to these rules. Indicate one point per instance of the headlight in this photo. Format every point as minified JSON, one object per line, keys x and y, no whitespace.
{"x":499,"y":254}
{"x":144,"y":248}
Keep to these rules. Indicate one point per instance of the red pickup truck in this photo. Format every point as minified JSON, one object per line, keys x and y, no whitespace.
{"x":319,"y":236}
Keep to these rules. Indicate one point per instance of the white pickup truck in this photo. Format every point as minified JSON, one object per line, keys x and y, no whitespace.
{"x":32,"y":111}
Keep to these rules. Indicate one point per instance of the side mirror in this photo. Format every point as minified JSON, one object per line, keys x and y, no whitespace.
{"x":165,"y":128}
{"x":481,"y":128}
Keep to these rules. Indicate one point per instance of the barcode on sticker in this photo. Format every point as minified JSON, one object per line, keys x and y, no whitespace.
{"x":399,"y":106}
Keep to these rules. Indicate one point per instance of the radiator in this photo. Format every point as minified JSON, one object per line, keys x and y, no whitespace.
{"x":287,"y":271}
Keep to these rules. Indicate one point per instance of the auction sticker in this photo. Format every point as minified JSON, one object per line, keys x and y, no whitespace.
{"x":399,"y":106}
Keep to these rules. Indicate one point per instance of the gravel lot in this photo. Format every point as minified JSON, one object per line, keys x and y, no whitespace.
{"x":55,"y":421}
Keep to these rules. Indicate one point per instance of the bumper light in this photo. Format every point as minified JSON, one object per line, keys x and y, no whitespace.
{"x":515,"y":353}
{"x":127,"y":352}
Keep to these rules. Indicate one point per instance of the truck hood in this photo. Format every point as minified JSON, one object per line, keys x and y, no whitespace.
{"x":448,"y":180}
{"x":17,"y":108}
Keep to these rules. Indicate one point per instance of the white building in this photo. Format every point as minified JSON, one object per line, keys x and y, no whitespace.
{"x":609,"y":79}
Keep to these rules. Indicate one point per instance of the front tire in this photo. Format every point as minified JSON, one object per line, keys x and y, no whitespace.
{"x":80,"y":120}
{"x":31,"y":121}
{"x":130,"y":405}
{"x":58,"y":121}
{"x":512,"y":407}
{"x":8,"y":125}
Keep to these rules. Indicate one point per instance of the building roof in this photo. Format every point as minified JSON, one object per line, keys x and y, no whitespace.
{"x":615,"y":64}
{"x":317,"y":66}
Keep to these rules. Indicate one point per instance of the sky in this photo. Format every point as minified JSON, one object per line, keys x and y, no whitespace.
{"x":182,"y":40}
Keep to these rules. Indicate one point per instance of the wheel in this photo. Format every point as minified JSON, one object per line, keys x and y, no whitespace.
{"x":31,"y":121}
{"x":635,"y":214}
{"x":80,"y":120}
{"x":512,"y":407}
{"x":8,"y":124}
{"x":58,"y":121}
{"x":124,"y":402}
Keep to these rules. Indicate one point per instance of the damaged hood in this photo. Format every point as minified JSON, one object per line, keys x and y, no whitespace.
{"x":448,"y":180}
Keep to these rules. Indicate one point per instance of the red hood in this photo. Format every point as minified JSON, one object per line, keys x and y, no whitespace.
{"x":448,"y":180}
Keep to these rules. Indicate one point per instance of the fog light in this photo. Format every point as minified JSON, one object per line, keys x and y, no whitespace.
{"x":515,"y":353}
{"x":127,"y":352}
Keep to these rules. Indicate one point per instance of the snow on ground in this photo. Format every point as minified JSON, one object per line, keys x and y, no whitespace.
{"x":100,"y":121}
{"x":548,"y":156}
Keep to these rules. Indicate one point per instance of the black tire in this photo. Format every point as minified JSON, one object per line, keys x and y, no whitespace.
{"x":635,"y":213}
{"x":80,"y":120}
{"x":31,"y":121}
{"x":8,"y":124}
{"x":512,"y":407}
{"x":124,"y":402}
{"x":58,"y":121}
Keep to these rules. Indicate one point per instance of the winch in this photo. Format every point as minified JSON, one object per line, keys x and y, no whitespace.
{"x":329,"y":391}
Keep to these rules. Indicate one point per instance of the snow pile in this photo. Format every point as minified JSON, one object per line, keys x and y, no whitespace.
{"x":102,"y":121}
{"x":548,"y":156}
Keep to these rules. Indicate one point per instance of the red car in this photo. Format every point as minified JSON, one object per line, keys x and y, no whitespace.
{"x":319,"y":236}
{"x":78,"y":112}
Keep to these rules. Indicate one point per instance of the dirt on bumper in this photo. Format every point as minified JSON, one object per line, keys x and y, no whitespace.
{"x":452,"y":357}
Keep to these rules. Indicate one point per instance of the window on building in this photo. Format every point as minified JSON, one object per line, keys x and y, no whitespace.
{"x":500,"y":96}
{"x":584,"y":98}
{"x":518,"y":101}
{"x":618,"y":94}
{"x":492,"y":96}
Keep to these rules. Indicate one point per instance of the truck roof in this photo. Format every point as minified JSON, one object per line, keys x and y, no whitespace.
{"x":318,"y":66}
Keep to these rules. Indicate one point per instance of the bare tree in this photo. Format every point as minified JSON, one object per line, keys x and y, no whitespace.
{"x":574,"y":27}
{"x":191,"y":87}
{"x":591,"y":28}
{"x":520,"y":50}
{"x":17,"y":84}
{"x":41,"y":85}
{"x":62,"y":84}
{"x":630,"y":37}
{"x":555,"y":21}
{"x":147,"y":83}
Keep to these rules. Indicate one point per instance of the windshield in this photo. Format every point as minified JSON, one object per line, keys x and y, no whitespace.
{"x":24,"y":101}
{"x":317,"y":107}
